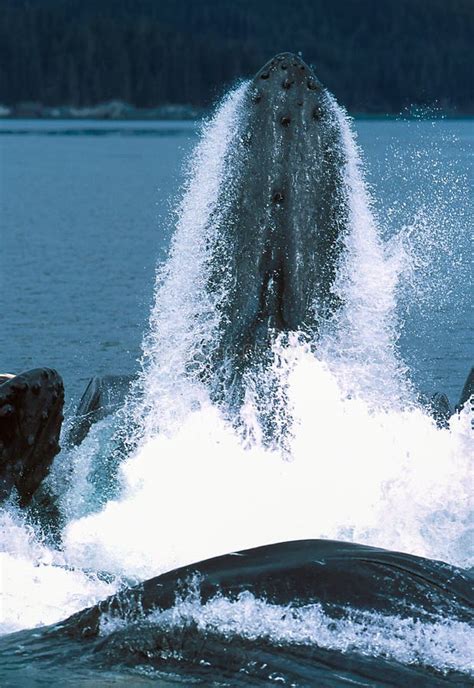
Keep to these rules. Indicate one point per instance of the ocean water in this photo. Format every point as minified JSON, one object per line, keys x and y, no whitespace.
{"x":86,"y":214}
{"x":83,"y":213}
{"x":87,"y":211}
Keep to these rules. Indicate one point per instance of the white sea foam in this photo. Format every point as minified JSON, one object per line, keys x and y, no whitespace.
{"x":387,"y":477}
{"x":442,"y":644}
{"x":37,"y":588}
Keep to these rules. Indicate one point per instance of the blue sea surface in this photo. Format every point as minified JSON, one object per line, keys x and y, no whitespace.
{"x":86,"y":215}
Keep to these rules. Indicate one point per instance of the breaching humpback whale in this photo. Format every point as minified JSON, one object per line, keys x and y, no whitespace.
{"x":281,"y":217}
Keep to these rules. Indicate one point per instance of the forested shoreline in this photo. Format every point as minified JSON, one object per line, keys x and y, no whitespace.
{"x":375,"y":56}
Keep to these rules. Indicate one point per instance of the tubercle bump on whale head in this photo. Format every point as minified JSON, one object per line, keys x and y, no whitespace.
{"x":290,"y":70}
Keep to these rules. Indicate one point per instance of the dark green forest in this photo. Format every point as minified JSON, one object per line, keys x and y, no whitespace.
{"x":375,"y":55}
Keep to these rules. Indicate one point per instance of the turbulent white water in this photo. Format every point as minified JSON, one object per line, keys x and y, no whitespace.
{"x":404,"y":640}
{"x":364,"y":463}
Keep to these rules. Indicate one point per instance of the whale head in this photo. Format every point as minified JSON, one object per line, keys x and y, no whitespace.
{"x":285,"y":213}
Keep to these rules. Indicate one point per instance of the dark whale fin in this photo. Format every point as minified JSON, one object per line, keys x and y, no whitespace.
{"x":467,"y":390}
{"x":103,"y":396}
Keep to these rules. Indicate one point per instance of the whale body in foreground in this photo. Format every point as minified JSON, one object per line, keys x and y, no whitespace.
{"x":345,"y":580}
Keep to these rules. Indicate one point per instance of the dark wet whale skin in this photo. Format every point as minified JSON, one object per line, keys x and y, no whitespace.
{"x":285,"y":213}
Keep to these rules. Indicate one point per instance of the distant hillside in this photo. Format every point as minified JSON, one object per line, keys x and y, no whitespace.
{"x":375,"y":55}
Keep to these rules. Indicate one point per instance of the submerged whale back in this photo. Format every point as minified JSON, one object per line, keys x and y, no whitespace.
{"x":283,"y":610}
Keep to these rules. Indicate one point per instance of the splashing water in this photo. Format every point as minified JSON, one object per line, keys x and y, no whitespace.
{"x":361,"y":349}
{"x":184,"y":318}
{"x":38,"y":586}
{"x":407,"y":641}
{"x":366,"y":464}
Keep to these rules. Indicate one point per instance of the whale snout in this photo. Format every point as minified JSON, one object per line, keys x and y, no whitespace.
{"x":287,"y":92}
{"x":289,"y":71}
{"x":292,"y":193}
